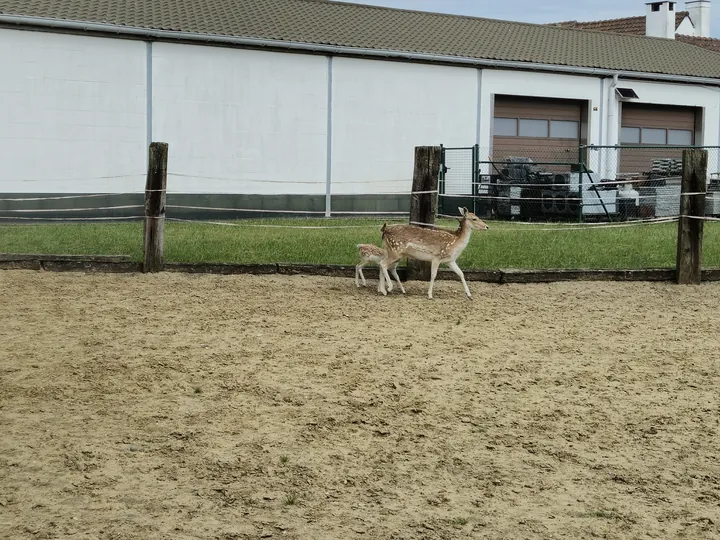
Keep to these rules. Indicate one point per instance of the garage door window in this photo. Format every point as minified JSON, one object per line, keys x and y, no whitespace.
{"x":533,"y":128}
{"x":630,"y":135}
{"x":671,"y":137}
{"x":680,"y":137}
{"x":506,"y":127}
{"x":654,"y":136}
{"x":562,"y":129}
{"x":526,"y":127}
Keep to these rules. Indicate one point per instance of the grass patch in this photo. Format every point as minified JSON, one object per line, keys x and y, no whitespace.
{"x":460,"y":521}
{"x":505,"y":245}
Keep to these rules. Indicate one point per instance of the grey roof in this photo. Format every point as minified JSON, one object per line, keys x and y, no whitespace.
{"x":368,"y":27}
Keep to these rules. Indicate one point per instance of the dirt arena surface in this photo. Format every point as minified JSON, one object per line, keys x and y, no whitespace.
{"x":242,"y":407}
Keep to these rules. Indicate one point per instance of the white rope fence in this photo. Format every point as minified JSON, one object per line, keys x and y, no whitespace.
{"x":40,"y":210}
{"x":515,"y":226}
{"x":291,"y":182}
{"x":105,"y":218}
{"x":25,"y":214}
{"x":80,"y":178}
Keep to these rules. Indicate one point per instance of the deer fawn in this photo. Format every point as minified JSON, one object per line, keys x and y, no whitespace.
{"x":370,"y":253}
{"x":437,"y":246}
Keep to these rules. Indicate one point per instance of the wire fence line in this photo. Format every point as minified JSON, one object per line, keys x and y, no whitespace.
{"x":322,"y":183}
{"x":80,"y":178}
{"x":572,"y":226}
{"x":561,"y":191}
{"x":171,"y":192}
{"x":83,"y":219}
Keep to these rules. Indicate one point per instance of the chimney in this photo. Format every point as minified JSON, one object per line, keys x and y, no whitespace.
{"x":699,"y":11}
{"x":660,"y":20}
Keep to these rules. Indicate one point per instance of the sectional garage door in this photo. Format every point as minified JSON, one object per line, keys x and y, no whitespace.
{"x":541,"y":129}
{"x":654,"y":125}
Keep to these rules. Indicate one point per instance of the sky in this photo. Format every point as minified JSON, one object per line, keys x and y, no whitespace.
{"x":535,"y":11}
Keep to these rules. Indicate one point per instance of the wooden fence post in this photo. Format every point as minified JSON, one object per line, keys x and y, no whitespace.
{"x":692,"y":210}
{"x":423,"y":206}
{"x":155,"y":187}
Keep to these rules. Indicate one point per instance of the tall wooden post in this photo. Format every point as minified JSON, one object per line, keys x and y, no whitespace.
{"x":692,"y":210}
{"x":423,"y":206}
{"x":155,"y":187}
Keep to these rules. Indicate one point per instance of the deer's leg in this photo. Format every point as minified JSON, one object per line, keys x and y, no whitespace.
{"x":455,"y":268}
{"x":381,"y":279}
{"x":393,"y":270}
{"x":433,"y":272}
{"x":385,"y":262}
{"x":386,"y":277}
{"x":358,"y":271}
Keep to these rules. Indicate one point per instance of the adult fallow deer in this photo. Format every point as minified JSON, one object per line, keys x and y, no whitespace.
{"x":436,"y":246}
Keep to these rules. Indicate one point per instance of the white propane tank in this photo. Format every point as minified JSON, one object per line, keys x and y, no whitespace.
{"x":628,"y":201}
{"x":626,"y":191}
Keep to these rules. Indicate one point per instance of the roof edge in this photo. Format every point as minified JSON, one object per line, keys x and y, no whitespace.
{"x":340,"y":50}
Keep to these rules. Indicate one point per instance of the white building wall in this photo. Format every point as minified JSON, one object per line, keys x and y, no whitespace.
{"x":383,"y":110}
{"x":72,"y":110}
{"x":686,"y":28}
{"x":241,"y":121}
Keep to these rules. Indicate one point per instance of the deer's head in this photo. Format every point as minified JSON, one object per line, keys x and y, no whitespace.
{"x":472,"y":220}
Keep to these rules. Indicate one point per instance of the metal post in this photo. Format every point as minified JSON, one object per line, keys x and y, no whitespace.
{"x":475,"y":175}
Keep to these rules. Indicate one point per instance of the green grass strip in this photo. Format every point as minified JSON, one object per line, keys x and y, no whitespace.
{"x":505,"y":245}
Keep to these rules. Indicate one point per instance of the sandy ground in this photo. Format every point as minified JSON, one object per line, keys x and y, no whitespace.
{"x":233,"y":407}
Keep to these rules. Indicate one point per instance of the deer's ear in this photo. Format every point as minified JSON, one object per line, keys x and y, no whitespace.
{"x":463,"y":211}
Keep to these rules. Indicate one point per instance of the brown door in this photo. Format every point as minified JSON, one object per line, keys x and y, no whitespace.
{"x":653,"y":125}
{"x":544,"y":130}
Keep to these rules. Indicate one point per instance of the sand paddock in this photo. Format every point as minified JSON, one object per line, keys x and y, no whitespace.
{"x":241,"y":407}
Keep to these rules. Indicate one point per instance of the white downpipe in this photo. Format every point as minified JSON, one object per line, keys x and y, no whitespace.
{"x":609,"y":168}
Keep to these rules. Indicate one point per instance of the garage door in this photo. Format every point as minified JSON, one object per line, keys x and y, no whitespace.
{"x":541,"y":129}
{"x":654,"y":125}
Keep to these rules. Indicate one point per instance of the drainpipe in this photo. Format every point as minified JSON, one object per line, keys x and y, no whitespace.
{"x":612,"y":139}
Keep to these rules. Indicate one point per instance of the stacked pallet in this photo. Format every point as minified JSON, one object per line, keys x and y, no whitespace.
{"x":666,"y":167}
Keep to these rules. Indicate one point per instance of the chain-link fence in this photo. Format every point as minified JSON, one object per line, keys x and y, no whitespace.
{"x":528,"y":184}
{"x":587,"y":183}
{"x":458,"y":179}
{"x":644,"y":181}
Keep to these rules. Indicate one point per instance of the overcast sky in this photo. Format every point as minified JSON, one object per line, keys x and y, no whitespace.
{"x":538,"y":12}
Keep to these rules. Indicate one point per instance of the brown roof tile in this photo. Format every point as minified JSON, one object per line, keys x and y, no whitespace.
{"x":636,"y":25}
{"x":626,"y":25}
{"x":710,"y":44}
{"x":359,"y":26}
